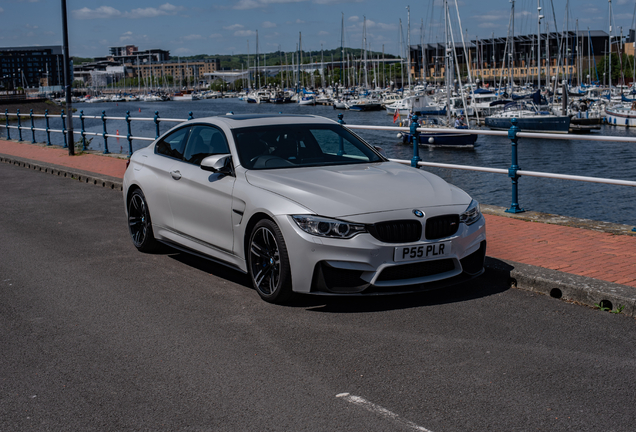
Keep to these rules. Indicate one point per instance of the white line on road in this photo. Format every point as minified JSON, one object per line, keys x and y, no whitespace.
{"x":377,"y":409}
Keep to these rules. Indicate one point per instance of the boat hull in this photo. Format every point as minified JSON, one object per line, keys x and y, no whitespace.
{"x":365,"y":107}
{"x":443,"y":139}
{"x":621,"y":117}
{"x":535,"y":124}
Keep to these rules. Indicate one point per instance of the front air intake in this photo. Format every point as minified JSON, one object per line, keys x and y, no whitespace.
{"x":441,"y":226}
{"x":400,"y":231}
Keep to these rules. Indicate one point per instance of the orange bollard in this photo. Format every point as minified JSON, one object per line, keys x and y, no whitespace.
{"x":139,"y":109}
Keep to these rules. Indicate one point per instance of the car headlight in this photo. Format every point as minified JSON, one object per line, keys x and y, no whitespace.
{"x":325,"y":227}
{"x":472,"y":213}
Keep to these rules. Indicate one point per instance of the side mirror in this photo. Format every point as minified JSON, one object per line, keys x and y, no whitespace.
{"x":220,"y":163}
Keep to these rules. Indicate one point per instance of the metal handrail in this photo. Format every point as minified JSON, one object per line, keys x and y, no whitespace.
{"x":514,"y":172}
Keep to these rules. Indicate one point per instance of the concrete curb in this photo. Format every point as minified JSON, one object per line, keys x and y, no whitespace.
{"x":565,"y":286}
{"x":82,"y":176}
{"x":584,"y":290}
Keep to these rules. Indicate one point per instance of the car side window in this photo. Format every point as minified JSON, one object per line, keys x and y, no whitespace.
{"x":172,"y":144}
{"x":204,"y":141}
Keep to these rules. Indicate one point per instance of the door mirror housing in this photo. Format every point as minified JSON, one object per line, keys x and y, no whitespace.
{"x":220,"y":163}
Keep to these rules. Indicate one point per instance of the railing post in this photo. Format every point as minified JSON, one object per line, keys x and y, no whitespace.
{"x":105,"y":133}
{"x":190,"y":117}
{"x":157,"y":124}
{"x":19,"y":127}
{"x":81,"y":116}
{"x":6,"y":114}
{"x":48,"y":132}
{"x":514,"y":167}
{"x":415,"y":136}
{"x":129,"y":136}
{"x":341,"y":146}
{"x":32,"y":128}
{"x":64,"y":130}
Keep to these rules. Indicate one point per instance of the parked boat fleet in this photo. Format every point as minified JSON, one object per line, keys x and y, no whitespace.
{"x":580,"y":109}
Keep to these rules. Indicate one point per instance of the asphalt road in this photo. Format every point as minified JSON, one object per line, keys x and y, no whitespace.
{"x":97,"y":336}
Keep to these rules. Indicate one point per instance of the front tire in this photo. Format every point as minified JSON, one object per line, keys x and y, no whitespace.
{"x":268,"y":262}
{"x":139,"y":224}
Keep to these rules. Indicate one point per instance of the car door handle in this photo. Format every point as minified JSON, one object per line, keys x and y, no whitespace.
{"x":175,"y":175}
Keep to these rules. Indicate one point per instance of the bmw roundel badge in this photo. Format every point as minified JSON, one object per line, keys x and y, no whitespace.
{"x":418,"y":213}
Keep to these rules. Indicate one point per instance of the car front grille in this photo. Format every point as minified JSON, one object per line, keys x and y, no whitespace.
{"x":441,"y":226}
{"x":399,"y":231}
{"x":416,"y":270}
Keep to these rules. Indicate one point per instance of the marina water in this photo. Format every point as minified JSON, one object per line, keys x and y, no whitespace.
{"x":569,"y":198}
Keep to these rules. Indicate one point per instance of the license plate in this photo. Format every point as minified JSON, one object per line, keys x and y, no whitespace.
{"x":422,"y":252}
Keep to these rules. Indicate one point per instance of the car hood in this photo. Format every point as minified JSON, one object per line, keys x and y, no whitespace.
{"x":345,"y":190}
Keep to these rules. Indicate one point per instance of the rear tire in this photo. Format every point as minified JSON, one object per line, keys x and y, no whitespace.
{"x":139,"y":223}
{"x":268,"y":263}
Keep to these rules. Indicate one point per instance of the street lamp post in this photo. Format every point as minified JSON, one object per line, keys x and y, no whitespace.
{"x":67,"y":84}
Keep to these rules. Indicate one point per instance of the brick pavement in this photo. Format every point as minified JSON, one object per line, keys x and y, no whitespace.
{"x":578,"y":251}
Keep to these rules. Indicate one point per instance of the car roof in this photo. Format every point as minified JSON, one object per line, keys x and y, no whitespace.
{"x":235,"y":121}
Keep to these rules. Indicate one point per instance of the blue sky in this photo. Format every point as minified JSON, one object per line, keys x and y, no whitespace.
{"x":225,"y":27}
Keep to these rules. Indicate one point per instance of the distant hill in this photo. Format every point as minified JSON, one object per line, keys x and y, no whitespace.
{"x":239,"y":61}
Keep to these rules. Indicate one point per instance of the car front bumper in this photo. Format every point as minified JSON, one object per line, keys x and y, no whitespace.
{"x":364,"y":265}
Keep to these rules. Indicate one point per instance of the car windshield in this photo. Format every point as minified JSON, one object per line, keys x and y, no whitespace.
{"x":300,"y":145}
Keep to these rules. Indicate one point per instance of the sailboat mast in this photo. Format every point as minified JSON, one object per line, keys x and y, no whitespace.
{"x":446,"y":61}
{"x":511,"y":62}
{"x":249,"y":84}
{"x":610,"y":45}
{"x":401,"y":58}
{"x":342,"y":51}
{"x":423,"y":51}
{"x":364,"y":54}
{"x":539,"y":16}
{"x":408,"y":44}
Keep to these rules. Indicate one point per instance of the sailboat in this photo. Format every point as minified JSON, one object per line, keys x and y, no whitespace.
{"x":529,"y":117}
{"x":444,"y":139}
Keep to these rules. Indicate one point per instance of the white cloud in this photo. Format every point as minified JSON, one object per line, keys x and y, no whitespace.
{"x":253,"y":4}
{"x":353,"y":18}
{"x":299,"y":21}
{"x":149,"y":12}
{"x":182,"y":51}
{"x":99,"y":13}
{"x":243,"y":33}
{"x":327,"y":2}
{"x":192,"y":37}
{"x":246,"y":4}
{"x":171,"y":8}
{"x":234,"y":27}
{"x":105,"y":12}
{"x":268,"y":24}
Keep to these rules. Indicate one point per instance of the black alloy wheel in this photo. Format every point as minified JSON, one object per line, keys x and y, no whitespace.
{"x":139,"y":223}
{"x":268,"y":262}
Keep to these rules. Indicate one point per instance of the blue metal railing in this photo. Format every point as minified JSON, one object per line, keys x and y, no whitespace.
{"x":514,"y":133}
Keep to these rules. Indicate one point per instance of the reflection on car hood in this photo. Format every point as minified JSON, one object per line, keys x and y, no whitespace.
{"x":345,"y":190}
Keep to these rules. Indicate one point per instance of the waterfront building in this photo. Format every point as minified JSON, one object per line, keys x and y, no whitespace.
{"x":153,"y":67}
{"x":572,"y":55}
{"x":31,"y":67}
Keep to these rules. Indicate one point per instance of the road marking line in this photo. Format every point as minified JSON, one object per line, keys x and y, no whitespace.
{"x":377,"y":409}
